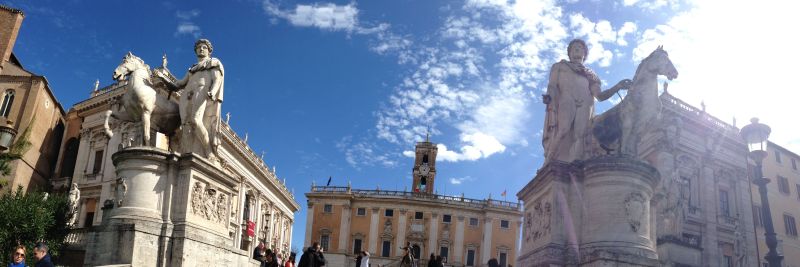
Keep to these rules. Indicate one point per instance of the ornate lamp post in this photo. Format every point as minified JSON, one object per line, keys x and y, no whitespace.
{"x":755,"y":135}
{"x":7,"y":135}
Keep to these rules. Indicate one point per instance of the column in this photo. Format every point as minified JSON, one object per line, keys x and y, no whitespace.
{"x":238,"y":236}
{"x":486,"y":245}
{"x":257,"y":219}
{"x":373,"y":232}
{"x":709,"y":208}
{"x":289,"y":234}
{"x":309,"y":223}
{"x":433,"y":238}
{"x":458,"y":250}
{"x":400,"y":240}
{"x":82,"y":158}
{"x":344,"y":228}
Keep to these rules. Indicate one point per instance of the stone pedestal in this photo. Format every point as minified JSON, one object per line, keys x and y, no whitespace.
{"x":593,"y":213}
{"x":170,"y":210}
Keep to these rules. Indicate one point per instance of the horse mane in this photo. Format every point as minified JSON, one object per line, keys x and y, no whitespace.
{"x":641,"y":65}
{"x":138,"y":61}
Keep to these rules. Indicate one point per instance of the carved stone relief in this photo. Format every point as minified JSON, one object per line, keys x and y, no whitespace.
{"x":209,"y":203}
{"x":446,"y":232}
{"x":634,"y":210}
{"x":121,"y":190}
{"x":538,"y":222}
{"x":387,"y":227}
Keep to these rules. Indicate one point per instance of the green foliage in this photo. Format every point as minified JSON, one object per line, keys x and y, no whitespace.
{"x":27,"y":218}
{"x":15,"y":152}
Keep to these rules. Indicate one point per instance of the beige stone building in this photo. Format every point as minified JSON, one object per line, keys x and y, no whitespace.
{"x":27,"y":101}
{"x":782,"y":167}
{"x":466,"y":232}
{"x":257,"y":196}
{"x":704,"y":215}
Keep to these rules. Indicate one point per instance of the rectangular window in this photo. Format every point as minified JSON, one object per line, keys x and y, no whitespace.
{"x":473,"y":221}
{"x":503,"y":259}
{"x":797,"y":186}
{"x":794,"y":164}
{"x":389,"y":213}
{"x":783,"y":184}
{"x":470,"y":257}
{"x":504,"y":224}
{"x":757,"y":216}
{"x":418,"y":215}
{"x":325,"y":242}
{"x":446,"y":218}
{"x":777,"y":156}
{"x":328,"y":208}
{"x":443,"y":252}
{"x":724,"y":205}
{"x":727,"y":261}
{"x":791,"y":228}
{"x":356,"y":246}
{"x":387,"y":248}
{"x":361,"y":211}
{"x":98,"y":161}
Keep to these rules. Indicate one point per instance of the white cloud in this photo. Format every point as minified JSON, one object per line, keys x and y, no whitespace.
{"x":460,"y":180}
{"x":185,"y":24}
{"x":741,"y":68}
{"x":333,"y":17}
{"x":477,"y":78}
{"x":599,"y":34}
{"x":188,"y":28}
{"x":652,"y":5}
{"x":359,"y":154}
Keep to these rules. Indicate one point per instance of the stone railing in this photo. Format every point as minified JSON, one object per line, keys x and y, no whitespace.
{"x":694,"y":211}
{"x":455,"y":200}
{"x":76,"y":238}
{"x":670,"y":101}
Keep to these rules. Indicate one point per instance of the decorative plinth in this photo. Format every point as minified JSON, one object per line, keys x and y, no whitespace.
{"x":169,"y":209}
{"x":593,"y":213}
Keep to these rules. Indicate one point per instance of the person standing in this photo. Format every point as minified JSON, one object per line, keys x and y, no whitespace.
{"x":18,"y":257}
{"x":571,"y":92}
{"x":364,"y":259}
{"x":40,"y":252}
{"x":290,"y":261}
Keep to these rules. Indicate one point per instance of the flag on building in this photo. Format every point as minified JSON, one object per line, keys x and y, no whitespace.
{"x":504,"y":193}
{"x":329,"y":181}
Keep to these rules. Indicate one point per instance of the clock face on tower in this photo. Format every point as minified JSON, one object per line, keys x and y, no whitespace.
{"x":424,"y":169}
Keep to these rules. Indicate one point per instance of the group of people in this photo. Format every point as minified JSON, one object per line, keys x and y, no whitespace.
{"x":40,"y":253}
{"x":269,"y":258}
{"x":312,"y":257}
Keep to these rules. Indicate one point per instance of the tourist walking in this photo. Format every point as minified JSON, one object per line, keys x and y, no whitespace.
{"x":364,"y":259}
{"x":312,"y":257}
{"x":493,"y":263}
{"x":18,"y":257}
{"x":40,"y":252}
{"x":290,"y":261}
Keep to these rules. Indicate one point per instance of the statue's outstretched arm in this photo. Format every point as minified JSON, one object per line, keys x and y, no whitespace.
{"x":602,"y":96}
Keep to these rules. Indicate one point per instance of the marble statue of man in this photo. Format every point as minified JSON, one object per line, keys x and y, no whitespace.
{"x":571,"y":92}
{"x":201,"y":102}
{"x":74,"y":198}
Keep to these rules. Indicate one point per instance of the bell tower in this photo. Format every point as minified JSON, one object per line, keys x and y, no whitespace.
{"x":424,"y":171}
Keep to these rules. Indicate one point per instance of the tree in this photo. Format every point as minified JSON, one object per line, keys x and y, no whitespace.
{"x":27,"y":218}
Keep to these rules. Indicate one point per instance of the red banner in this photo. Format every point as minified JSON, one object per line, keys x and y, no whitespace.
{"x":251,"y":228}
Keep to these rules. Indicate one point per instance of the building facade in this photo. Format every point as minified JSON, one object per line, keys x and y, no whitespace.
{"x":29,"y":107}
{"x":261,"y":207}
{"x":704,"y":207}
{"x":783,"y":191}
{"x":465,"y":232}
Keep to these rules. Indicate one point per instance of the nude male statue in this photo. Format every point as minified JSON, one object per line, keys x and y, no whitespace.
{"x":200,"y":102}
{"x":570,"y":96}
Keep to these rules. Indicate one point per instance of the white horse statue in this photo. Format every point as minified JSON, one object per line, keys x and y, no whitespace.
{"x":626,"y":123}
{"x":141,"y":102}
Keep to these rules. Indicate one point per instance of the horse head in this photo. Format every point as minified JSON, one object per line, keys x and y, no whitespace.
{"x":128,"y":65}
{"x":659,"y":63}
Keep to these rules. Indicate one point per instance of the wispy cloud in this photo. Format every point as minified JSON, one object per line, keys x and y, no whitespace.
{"x":359,"y":154}
{"x":460,"y":180}
{"x":185,"y":24}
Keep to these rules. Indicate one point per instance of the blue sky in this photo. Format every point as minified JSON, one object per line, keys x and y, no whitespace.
{"x":344,"y":88}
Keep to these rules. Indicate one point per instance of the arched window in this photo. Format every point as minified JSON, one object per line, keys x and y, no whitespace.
{"x":8,"y":100}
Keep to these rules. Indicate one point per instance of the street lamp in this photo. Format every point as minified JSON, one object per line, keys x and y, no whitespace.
{"x":755,"y":135}
{"x":7,"y":135}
